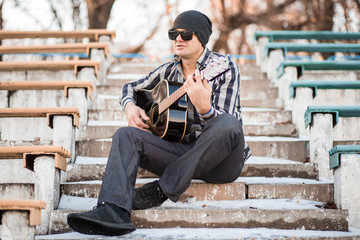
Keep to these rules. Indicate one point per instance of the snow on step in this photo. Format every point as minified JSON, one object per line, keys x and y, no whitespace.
{"x":124,"y":76}
{"x":80,"y":203}
{"x":213,"y":233}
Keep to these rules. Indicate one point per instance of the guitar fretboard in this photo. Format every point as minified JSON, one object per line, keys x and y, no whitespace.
{"x":166,"y":103}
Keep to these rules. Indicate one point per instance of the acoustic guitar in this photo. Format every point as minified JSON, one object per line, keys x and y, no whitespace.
{"x":166,"y":103}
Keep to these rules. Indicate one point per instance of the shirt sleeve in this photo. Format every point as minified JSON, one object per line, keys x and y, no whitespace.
{"x":128,"y":92}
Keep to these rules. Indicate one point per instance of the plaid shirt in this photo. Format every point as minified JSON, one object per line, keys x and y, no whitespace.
{"x":225,"y":89}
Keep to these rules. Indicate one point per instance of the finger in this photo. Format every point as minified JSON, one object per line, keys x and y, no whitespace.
{"x":140,"y":123}
{"x":197,"y":76}
{"x":206,"y":84}
{"x":144,"y":115}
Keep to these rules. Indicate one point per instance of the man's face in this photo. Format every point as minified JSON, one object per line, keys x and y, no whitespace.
{"x":187,"y":49}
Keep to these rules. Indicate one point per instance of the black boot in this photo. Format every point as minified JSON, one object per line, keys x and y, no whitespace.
{"x":148,"y":196}
{"x":105,"y":219}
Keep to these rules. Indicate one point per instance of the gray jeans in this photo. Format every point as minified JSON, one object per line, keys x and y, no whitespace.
{"x":216,"y":156}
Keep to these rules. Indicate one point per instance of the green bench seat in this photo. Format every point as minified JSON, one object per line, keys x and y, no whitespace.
{"x":336,"y":152}
{"x":336,"y":111}
{"x":351,"y":65}
{"x":316,"y":35}
{"x":312,"y":47}
{"x":314,"y":85}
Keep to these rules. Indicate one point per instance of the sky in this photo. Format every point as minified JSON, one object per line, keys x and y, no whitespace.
{"x":132,"y":20}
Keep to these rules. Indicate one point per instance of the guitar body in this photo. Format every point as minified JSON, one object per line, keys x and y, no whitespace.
{"x":171,"y":124}
{"x":166,"y":103}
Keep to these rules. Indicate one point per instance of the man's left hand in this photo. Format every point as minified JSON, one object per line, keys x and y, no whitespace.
{"x":199,"y":92}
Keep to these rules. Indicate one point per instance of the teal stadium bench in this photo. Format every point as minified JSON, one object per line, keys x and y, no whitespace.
{"x":323,"y":129}
{"x":336,"y":111}
{"x":312,"y":47}
{"x":264,"y":37}
{"x":345,"y":162}
{"x":316,"y":35}
{"x":351,"y":65}
{"x":315,"y":85}
{"x":335,"y":153}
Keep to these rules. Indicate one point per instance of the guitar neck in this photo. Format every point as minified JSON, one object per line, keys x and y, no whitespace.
{"x":167,"y":102}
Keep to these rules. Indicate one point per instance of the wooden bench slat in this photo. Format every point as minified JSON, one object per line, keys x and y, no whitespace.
{"x":93,"y":34}
{"x":322,"y":85}
{"x":21,"y":203}
{"x":42,"y":112}
{"x":58,"y":48}
{"x":9,"y":152}
{"x":47,"y":85}
{"x":33,"y":206}
{"x":49,"y":65}
{"x":29,"y":153}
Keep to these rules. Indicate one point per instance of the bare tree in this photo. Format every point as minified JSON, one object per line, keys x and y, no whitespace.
{"x":99,"y":13}
{"x":56,"y":15}
{"x":1,"y":15}
{"x":233,"y":15}
{"x":76,"y":14}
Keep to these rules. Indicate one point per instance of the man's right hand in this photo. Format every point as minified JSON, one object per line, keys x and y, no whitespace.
{"x":136,"y":116}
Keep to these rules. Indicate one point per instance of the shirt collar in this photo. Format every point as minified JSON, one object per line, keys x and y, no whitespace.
{"x":201,"y":62}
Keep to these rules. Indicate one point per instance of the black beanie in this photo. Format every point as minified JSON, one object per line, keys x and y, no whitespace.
{"x":195,"y":21}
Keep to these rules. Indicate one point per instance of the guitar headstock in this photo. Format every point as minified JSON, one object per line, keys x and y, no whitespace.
{"x":215,"y":68}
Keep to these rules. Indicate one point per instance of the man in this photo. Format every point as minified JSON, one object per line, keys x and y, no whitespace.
{"x":213,"y":149}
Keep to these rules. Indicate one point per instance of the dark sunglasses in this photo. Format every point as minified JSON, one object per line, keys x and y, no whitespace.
{"x":185,"y":35}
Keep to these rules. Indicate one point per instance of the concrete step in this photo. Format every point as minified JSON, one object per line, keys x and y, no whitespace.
{"x":88,"y":169}
{"x":276,"y":147}
{"x":217,"y":234}
{"x":261,"y":103}
{"x":259,"y":93}
{"x":138,"y":68}
{"x":17,"y":191}
{"x":266,"y":115}
{"x":258,"y":89}
{"x":106,"y":129}
{"x":250,"y":115}
{"x":198,"y":189}
{"x":109,"y":89}
{"x":250,"y":70}
{"x":299,"y":214}
{"x":104,"y":101}
{"x":242,"y":188}
{"x":106,"y":115}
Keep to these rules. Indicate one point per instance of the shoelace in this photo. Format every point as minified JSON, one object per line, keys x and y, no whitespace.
{"x":101,"y":204}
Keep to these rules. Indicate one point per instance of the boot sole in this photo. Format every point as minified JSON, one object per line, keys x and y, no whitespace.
{"x":94,"y":227}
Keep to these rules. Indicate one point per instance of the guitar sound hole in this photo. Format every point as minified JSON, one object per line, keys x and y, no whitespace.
{"x":155,"y":114}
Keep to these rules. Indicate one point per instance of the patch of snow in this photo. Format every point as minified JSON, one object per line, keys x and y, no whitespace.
{"x":255,"y":109}
{"x":258,"y":124}
{"x":211,"y":233}
{"x":281,"y":180}
{"x":256,"y":180}
{"x":269,"y":160}
{"x":106,"y":96}
{"x":90,"y":160}
{"x":246,"y":78}
{"x":107,"y":123}
{"x":124,"y":76}
{"x":272,"y":139}
{"x":103,"y":139}
{"x":80,"y":203}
